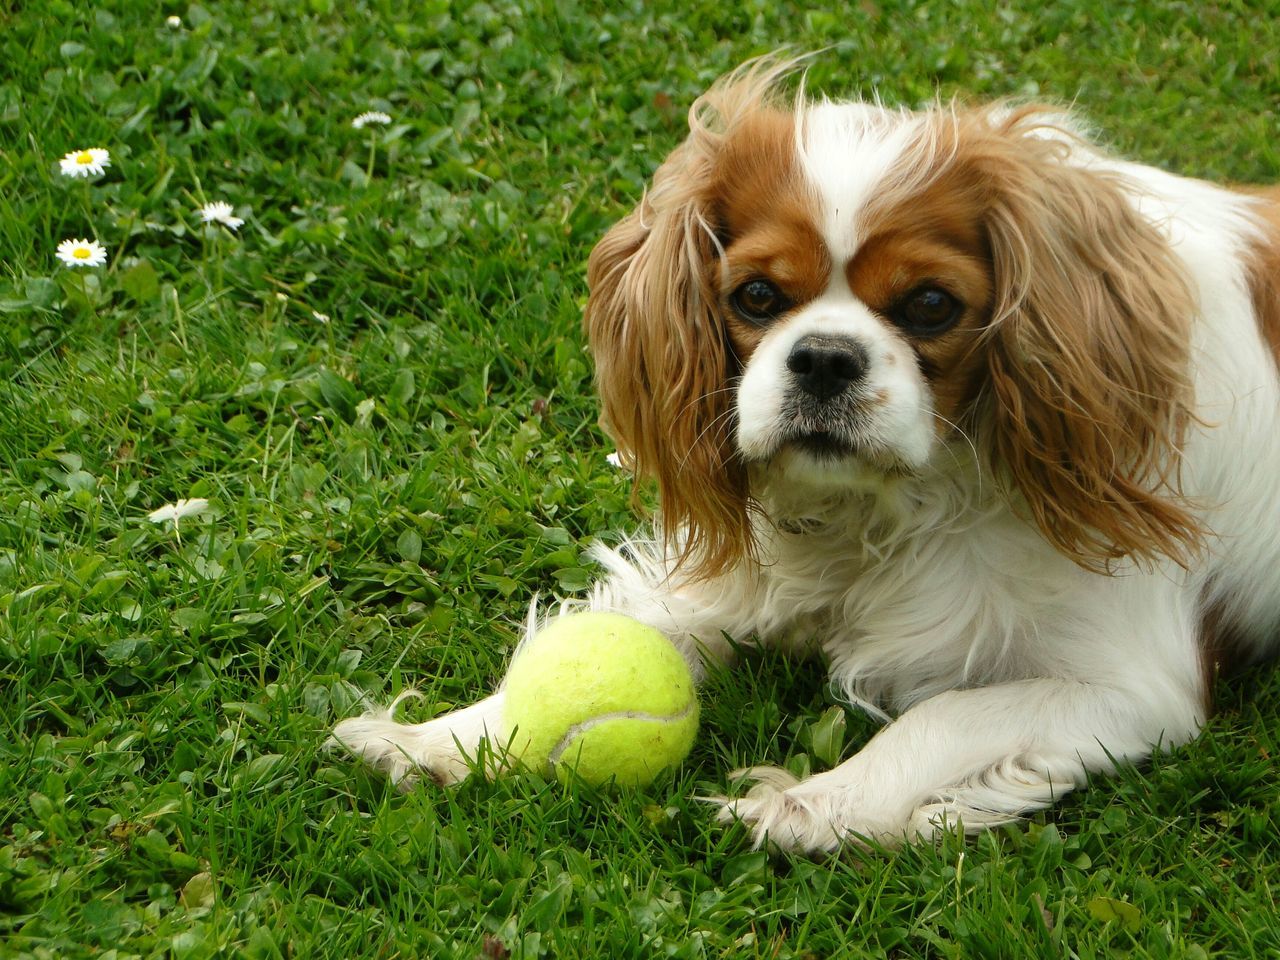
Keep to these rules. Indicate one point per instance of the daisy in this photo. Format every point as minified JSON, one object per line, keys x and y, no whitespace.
{"x":174,"y":23}
{"x":220,"y":212}
{"x":320,"y":317}
{"x":82,"y":253}
{"x":85,"y":163}
{"x":176,"y":511}
{"x":371,"y":116}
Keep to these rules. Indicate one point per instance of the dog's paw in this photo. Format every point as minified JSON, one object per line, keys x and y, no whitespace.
{"x":814,"y":816}
{"x":780,"y":815}
{"x":405,"y":753}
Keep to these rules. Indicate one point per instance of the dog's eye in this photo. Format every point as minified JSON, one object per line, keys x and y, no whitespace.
{"x":759,"y":301}
{"x":928,"y":311}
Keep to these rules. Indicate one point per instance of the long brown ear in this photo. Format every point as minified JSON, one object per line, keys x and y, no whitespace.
{"x":664,"y":369}
{"x":1088,"y":350}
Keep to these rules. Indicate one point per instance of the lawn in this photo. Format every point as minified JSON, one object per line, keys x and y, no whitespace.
{"x":379,"y":385}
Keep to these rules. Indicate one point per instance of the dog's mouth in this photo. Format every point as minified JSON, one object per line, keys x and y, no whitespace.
{"x":825,"y":431}
{"x":832,"y":439}
{"x":821,"y":444}
{"x":846,"y":443}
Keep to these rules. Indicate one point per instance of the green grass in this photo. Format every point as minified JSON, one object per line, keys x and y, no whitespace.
{"x":389,"y":487}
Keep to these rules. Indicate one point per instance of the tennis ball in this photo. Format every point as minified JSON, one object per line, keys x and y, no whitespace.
{"x":601,"y":694}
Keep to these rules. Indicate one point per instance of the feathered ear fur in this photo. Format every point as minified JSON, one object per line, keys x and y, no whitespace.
{"x":663,"y":364}
{"x":1087,"y":348}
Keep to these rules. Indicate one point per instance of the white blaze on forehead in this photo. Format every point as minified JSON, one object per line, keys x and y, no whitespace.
{"x":848,"y":152}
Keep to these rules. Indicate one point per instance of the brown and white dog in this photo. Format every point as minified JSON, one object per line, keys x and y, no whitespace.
{"x":988,"y":414}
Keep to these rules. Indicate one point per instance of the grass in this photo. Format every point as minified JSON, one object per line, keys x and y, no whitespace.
{"x":390,"y":481}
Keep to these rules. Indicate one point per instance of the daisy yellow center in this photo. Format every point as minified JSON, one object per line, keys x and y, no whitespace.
{"x":84,"y":158}
{"x":82,"y":253}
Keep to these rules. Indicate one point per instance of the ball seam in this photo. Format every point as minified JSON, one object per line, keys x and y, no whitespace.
{"x":585,"y":726}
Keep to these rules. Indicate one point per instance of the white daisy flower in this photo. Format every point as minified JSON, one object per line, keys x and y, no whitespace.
{"x":371,"y":116}
{"x":82,"y":253}
{"x":89,"y":162}
{"x":174,"y":23}
{"x":320,"y":317}
{"x":219,"y":211}
{"x":176,"y":511}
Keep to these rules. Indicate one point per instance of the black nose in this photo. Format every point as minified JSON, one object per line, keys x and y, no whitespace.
{"x":825,"y":366}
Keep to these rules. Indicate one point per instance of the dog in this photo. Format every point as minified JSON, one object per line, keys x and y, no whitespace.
{"x":989,"y":415}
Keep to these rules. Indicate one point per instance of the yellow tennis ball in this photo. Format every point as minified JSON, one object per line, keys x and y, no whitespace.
{"x":601,"y":694}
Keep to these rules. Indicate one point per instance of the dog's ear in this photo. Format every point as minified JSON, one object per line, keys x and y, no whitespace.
{"x":664,"y":367}
{"x":1088,"y":348}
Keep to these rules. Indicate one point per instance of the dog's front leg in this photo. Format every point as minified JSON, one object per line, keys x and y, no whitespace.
{"x":696,"y":617}
{"x":444,"y":749}
{"x":971,"y":758}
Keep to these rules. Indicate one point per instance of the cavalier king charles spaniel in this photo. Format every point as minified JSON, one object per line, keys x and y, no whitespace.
{"x":986,"y":414}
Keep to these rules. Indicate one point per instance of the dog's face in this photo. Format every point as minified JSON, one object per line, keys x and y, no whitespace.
{"x":819,"y":294}
{"x":855,"y":320}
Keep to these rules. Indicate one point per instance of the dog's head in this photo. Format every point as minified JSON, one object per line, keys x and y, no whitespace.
{"x":819,"y":291}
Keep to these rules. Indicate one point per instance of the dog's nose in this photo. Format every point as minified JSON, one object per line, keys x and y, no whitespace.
{"x":825,"y":366}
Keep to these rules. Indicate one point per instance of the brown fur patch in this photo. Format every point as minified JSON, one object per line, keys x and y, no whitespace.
{"x":655,"y":321}
{"x":1264,"y":267}
{"x":945,"y":246}
{"x":1070,"y":367}
{"x":765,"y":216}
{"x":1223,"y":644}
{"x":1088,"y":348}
